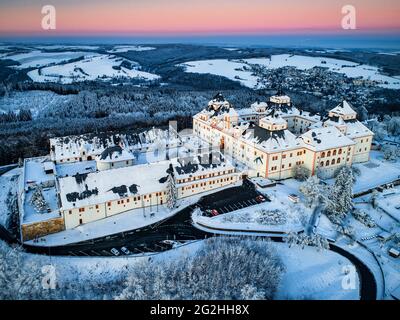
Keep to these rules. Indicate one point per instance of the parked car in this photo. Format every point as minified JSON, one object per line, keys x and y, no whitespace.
{"x":260,"y":199}
{"x":125,"y":250}
{"x":169,"y":242}
{"x":294,"y":198}
{"x":394,"y":253}
{"x":208,"y":213}
{"x":115,"y":252}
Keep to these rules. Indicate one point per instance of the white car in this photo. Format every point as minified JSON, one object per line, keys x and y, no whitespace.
{"x":125,"y":250}
{"x":294,"y":198}
{"x":115,"y":252}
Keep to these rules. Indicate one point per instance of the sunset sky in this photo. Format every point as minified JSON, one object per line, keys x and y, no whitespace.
{"x":159,"y":17}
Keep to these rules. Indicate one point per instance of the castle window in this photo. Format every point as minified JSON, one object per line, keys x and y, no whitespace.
{"x":340,"y":151}
{"x":322,"y":164}
{"x":338,"y":160}
{"x":333,"y":161}
{"x":323,"y":155}
{"x":109,"y":204}
{"x":334,"y":152}
{"x":81,"y":209}
{"x":327,"y":162}
{"x":328,"y":154}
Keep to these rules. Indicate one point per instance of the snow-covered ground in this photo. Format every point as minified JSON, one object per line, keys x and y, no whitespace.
{"x":121,"y":49}
{"x":312,"y":274}
{"x":253,"y":218}
{"x":375,"y":172}
{"x":239,"y":70}
{"x":31,"y":215}
{"x":95,"y":67}
{"x":37,"y":58}
{"x":369,"y":244}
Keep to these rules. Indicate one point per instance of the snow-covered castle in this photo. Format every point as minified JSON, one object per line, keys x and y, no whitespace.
{"x":272,"y":138}
{"x":90,"y":177}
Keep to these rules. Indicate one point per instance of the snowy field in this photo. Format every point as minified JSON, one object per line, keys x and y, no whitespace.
{"x":121,"y":49}
{"x":239,"y":70}
{"x":97,"y":67}
{"x":37,"y":58}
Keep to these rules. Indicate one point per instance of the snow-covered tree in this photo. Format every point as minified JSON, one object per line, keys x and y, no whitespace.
{"x":301,"y":173}
{"x":390,"y":153}
{"x":172,"y":194}
{"x":312,"y":190}
{"x":339,"y":201}
{"x":364,"y":218}
{"x":19,"y":278}
{"x":223,"y":268}
{"x":374,"y":198}
{"x":38,"y":200}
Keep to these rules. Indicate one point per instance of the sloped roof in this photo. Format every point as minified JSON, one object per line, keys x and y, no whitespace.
{"x":326,"y":138}
{"x":343,"y":108}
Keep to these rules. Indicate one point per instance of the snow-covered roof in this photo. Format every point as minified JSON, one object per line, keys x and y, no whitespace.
{"x":95,"y":143}
{"x":272,"y":141}
{"x":326,"y":138}
{"x":343,"y":108}
{"x":102,"y":186}
{"x":115,"y":153}
{"x":356,"y":129}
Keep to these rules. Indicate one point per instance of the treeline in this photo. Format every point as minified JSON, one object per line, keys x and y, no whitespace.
{"x":11,"y":116}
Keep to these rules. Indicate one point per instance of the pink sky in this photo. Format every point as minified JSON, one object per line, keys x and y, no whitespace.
{"x":207,"y":16}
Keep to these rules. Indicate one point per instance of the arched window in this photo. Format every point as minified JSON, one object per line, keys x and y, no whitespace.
{"x":327,"y":162}
{"x":323,"y":155}
{"x":338,"y":160}
{"x":334,"y":152}
{"x":333,"y":161}
{"x":329,"y":154}
{"x":340,"y":151}
{"x":322,"y":164}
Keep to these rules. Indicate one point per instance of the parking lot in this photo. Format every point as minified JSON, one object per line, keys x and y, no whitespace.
{"x":232,"y":199}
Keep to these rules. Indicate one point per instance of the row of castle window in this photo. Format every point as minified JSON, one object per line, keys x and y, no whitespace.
{"x":203,"y":184}
{"x":333,"y":153}
{"x":205,"y":176}
{"x":327,"y":163}
{"x":299,"y":153}
{"x":298,"y":163}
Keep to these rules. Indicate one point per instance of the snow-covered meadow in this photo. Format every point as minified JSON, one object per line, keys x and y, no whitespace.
{"x":38,"y":58}
{"x":97,"y":67}
{"x":240,"y":70}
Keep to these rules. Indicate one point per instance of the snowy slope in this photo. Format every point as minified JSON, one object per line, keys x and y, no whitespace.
{"x":98,"y":67}
{"x":38,"y":58}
